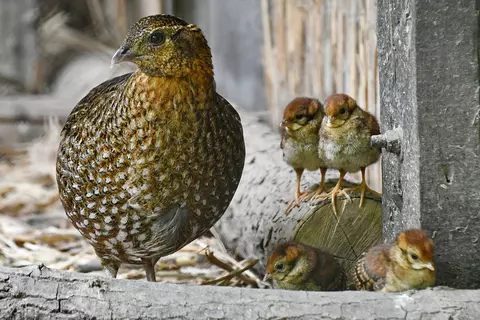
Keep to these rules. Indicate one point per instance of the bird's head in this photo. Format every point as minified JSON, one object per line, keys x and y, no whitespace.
{"x":164,"y":45}
{"x":338,"y":109}
{"x":417,"y":249}
{"x":299,"y":112}
{"x":289,"y":262}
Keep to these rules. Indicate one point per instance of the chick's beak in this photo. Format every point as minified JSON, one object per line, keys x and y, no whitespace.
{"x":429,"y":266}
{"x":284,"y":123}
{"x":267,"y":277}
{"x":123,"y":54}
{"x":333,"y":122}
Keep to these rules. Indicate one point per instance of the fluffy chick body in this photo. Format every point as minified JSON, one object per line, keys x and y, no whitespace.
{"x":347,"y":146}
{"x":406,"y":264}
{"x":301,"y":121}
{"x":296,"y":266}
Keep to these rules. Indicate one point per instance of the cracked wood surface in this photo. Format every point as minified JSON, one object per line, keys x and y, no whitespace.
{"x":37,"y":292}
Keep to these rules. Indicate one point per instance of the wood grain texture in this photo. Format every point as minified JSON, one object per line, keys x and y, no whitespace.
{"x":37,"y":292}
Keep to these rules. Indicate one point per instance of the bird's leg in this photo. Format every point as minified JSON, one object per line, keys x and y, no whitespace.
{"x":363,"y":188}
{"x":149,"y":266}
{"x":111,"y":268}
{"x":320,"y":188}
{"x":335,"y":191}
{"x":298,"y":193}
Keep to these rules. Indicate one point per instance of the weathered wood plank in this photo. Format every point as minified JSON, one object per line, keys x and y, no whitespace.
{"x":37,"y":292}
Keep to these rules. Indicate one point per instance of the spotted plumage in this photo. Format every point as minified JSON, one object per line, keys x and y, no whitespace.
{"x":150,"y":160}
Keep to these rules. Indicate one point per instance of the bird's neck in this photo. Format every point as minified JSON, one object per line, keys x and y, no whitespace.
{"x":198,"y":85}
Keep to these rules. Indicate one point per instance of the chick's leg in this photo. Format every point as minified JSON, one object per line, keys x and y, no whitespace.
{"x":320,"y":188}
{"x":336,"y":191}
{"x":298,"y":193}
{"x":363,"y":188}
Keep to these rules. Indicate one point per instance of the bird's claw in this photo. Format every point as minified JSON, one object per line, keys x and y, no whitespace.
{"x":363,"y":188}
{"x":294,"y":203}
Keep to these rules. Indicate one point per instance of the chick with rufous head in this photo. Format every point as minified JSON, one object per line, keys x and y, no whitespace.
{"x":297,"y":266}
{"x":301,"y":121}
{"x":344,"y":142}
{"x":406,"y":264}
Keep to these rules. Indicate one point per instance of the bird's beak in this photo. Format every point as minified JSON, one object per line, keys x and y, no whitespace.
{"x":429,"y":266}
{"x":420,"y":266}
{"x":334,"y":122}
{"x":267,"y":277}
{"x":284,"y":123}
{"x":123,"y":54}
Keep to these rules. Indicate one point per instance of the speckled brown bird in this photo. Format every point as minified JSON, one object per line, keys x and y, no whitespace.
{"x":150,"y":160}
{"x":301,"y":121}
{"x":407,"y":264}
{"x":297,"y":266}
{"x":344,"y":141}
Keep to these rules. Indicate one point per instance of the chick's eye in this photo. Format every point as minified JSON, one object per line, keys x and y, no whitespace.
{"x":414,"y":256}
{"x":279,"y":266}
{"x":342,"y":110}
{"x":299,"y":116}
{"x":156,"y":37}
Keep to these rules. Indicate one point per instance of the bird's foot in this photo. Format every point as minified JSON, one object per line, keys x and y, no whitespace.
{"x":311,"y":195}
{"x":333,"y":193}
{"x":300,"y":196}
{"x":294,"y":203}
{"x":363,"y":188}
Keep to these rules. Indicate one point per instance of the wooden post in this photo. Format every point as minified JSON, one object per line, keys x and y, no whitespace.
{"x":20,"y":57}
{"x":429,"y":87}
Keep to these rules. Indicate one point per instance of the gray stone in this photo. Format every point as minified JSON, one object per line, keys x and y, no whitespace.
{"x":429,"y":81}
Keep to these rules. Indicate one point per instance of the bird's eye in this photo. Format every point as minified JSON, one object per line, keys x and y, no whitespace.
{"x":414,"y":256}
{"x":279,"y":266}
{"x":156,"y":37}
{"x":299,"y":116}
{"x":342,"y":110}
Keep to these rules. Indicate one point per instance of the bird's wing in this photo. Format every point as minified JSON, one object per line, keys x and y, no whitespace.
{"x":372,"y":124}
{"x":328,"y":273}
{"x":371,"y":269}
{"x":103,"y":94}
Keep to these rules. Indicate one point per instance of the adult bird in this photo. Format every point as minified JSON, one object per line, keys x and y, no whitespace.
{"x":150,"y":160}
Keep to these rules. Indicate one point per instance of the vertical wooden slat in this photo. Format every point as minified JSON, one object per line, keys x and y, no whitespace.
{"x":320,"y":47}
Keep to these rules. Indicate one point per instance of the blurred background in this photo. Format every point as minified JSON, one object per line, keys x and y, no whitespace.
{"x":52,"y":52}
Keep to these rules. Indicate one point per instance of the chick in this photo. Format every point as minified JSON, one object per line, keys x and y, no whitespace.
{"x":344,"y":141}
{"x":297,"y":266}
{"x":301,"y":121}
{"x":407,"y":264}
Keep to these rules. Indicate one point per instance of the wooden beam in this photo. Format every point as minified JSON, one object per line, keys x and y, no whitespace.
{"x":429,"y":87}
{"x":38,"y":292}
